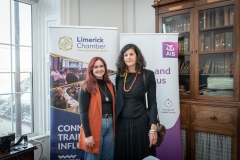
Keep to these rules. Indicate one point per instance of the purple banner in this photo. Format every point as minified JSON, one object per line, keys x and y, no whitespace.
{"x":170,"y":147}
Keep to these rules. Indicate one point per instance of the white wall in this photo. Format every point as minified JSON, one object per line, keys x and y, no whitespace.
{"x":145,"y":17}
{"x":129,"y":16}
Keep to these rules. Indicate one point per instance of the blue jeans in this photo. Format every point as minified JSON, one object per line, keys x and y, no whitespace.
{"x":106,"y":148}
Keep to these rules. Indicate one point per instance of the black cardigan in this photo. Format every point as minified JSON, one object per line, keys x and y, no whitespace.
{"x":150,"y":88}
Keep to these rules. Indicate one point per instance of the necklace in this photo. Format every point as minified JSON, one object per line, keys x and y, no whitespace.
{"x":105,"y":93}
{"x":124,"y":85}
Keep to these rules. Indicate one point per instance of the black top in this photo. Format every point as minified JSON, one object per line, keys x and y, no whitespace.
{"x":134,"y":105}
{"x":150,"y":87}
{"x":84,"y":101}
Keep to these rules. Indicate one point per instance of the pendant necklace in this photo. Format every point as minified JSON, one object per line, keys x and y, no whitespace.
{"x":105,"y":93}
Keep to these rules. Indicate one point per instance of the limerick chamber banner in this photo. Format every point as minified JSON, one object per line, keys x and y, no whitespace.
{"x":161,"y":54}
{"x":70,"y":50}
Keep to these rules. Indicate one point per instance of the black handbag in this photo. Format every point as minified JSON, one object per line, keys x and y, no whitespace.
{"x":161,"y":129}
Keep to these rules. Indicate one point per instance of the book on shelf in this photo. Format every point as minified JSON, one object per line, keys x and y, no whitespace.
{"x":207,"y":42}
{"x":229,"y":40}
{"x":180,"y":26}
{"x":217,"y":17}
{"x":201,"y":68}
{"x":204,"y":19}
{"x":221,"y":17}
{"x":173,"y":27}
{"x":181,"y":67}
{"x":179,"y":64}
{"x":231,"y":66}
{"x":219,"y":66}
{"x":207,"y":66}
{"x":186,"y":44}
{"x":231,"y":15}
{"x":188,"y":24}
{"x":222,"y":41}
{"x":201,"y":21}
{"x":226,"y":62}
{"x":184,"y":24}
{"x":180,"y":46}
{"x":216,"y":66}
{"x":201,"y":42}
{"x":212,"y":66}
{"x":185,"y":68}
{"x":212,"y":41}
{"x":208,"y":19}
{"x":224,"y":68}
{"x":217,"y":41}
{"x":226,"y":16}
{"x":212,"y":18}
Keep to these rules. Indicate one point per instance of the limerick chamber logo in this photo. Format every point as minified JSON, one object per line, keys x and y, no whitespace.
{"x":65,"y":43}
{"x":170,"y":49}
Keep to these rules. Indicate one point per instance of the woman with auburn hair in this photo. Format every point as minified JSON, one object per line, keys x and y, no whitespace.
{"x":97,"y":113}
{"x":136,"y":131}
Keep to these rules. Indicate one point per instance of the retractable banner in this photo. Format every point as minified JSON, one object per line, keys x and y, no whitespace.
{"x":71,"y":48}
{"x":161,"y":54}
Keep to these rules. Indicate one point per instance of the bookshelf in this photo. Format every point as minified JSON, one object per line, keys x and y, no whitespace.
{"x":208,"y":65}
{"x":181,"y":24}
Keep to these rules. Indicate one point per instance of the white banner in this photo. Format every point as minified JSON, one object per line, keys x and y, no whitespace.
{"x":71,"y":48}
{"x":161,"y":54}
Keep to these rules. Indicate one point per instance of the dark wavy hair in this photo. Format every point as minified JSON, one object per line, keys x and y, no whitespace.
{"x":90,"y":82}
{"x":140,"y":63}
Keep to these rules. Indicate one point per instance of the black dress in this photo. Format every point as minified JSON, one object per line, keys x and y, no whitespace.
{"x":132,"y":141}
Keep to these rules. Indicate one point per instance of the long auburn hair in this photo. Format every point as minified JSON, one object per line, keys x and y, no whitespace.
{"x":140,"y":63}
{"x":90,"y":83}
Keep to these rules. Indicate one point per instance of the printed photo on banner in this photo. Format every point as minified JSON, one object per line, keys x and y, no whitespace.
{"x":66,"y":78}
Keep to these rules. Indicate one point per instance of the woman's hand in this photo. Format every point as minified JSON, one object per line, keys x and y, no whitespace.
{"x":89,"y":141}
{"x":153,"y":135}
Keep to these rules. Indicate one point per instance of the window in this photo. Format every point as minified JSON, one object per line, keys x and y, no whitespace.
{"x":16,"y":79}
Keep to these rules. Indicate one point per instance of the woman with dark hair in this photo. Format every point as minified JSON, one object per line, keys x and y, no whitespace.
{"x":136,"y":131}
{"x":97,"y":112}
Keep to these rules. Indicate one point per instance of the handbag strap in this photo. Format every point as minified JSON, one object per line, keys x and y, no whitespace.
{"x":144,"y":82}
